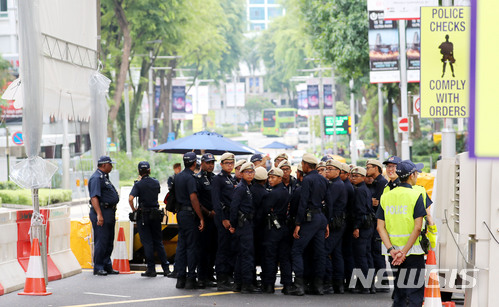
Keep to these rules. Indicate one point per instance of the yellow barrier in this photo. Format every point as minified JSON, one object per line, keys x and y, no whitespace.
{"x":426,"y":180}
{"x":81,"y":241}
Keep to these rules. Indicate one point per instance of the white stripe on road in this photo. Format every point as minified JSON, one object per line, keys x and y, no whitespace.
{"x":133,"y":301}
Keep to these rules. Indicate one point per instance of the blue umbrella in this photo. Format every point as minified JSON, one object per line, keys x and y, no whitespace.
{"x":277,"y":145}
{"x":211,"y":142}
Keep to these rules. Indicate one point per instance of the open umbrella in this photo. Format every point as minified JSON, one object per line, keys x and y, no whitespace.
{"x":277,"y":145}
{"x":211,"y":142}
{"x":14,"y":92}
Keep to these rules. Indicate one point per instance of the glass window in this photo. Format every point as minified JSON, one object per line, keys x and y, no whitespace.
{"x":271,"y":1}
{"x":274,"y":12}
{"x":286,"y":113}
{"x":257,"y":1}
{"x":257,"y":13}
{"x":257,"y":27}
{"x":287,"y":125}
{"x":3,"y":8}
{"x":268,"y":118}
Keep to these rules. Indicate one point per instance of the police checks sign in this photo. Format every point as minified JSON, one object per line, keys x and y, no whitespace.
{"x":445,"y":43}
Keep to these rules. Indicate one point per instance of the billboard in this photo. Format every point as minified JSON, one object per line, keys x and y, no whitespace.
{"x":236,"y":99}
{"x":181,"y":106}
{"x":445,"y":41}
{"x":405,"y":9}
{"x":342,"y":125}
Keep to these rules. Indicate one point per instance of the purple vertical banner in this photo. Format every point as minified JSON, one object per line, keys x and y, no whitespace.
{"x":178,"y":97}
{"x":303,"y":100}
{"x":328,"y":96}
{"x":157,"y":97}
{"x":313,"y":96}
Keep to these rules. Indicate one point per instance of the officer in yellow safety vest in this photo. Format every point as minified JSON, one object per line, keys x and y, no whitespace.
{"x":400,"y":219}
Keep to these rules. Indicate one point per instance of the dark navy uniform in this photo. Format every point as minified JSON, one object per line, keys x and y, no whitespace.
{"x":313,"y":193}
{"x":378,"y":186}
{"x":101,"y":187}
{"x":241,"y":218}
{"x":259,"y":192}
{"x":276,"y":240}
{"x":335,"y":266}
{"x":292,"y":185}
{"x":221,"y":196}
{"x":347,"y":236}
{"x":208,"y":237}
{"x":149,"y":221}
{"x":188,"y":233}
{"x":363,"y":220}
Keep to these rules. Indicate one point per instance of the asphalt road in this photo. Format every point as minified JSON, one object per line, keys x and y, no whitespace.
{"x":85,"y":289}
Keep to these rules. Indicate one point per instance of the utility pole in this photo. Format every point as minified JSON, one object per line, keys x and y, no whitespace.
{"x":127,"y":123}
{"x":448,"y":133}
{"x":333,"y":92}
{"x":381,"y":120}
{"x":403,"y":89}
{"x":151,"y":102}
{"x":353,"y":148}
{"x":321,"y":109}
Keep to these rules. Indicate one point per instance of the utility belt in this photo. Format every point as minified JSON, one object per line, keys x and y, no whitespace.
{"x":186,"y":208}
{"x":243,"y":218}
{"x":338,"y":220}
{"x":274,"y":221}
{"x":368,"y":220}
{"x":310,"y":212}
{"x":104,"y":205}
{"x":225,"y":209}
{"x":147,"y":214}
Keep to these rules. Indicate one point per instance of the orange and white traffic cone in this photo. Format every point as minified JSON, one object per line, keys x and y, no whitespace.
{"x":432,"y":296}
{"x":121,"y":263}
{"x":35,"y":280}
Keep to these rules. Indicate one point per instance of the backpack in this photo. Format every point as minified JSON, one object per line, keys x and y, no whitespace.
{"x":170,"y":200}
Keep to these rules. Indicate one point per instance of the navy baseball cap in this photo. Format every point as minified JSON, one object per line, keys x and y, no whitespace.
{"x":144,"y":165}
{"x":256,"y":157}
{"x":207,"y":157}
{"x":407,"y":167}
{"x":393,"y":159}
{"x":326,"y":158}
{"x":105,"y":159}
{"x":190,"y":157}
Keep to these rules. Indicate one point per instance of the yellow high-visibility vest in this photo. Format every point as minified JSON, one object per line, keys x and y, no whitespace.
{"x":398,"y":206}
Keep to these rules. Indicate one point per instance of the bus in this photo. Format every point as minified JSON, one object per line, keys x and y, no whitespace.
{"x":275,"y":122}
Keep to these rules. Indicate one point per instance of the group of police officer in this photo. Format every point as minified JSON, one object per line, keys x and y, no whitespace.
{"x":319,"y":225}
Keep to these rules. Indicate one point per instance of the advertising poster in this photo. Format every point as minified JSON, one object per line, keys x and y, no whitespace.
{"x":313,"y":96}
{"x":302,"y":101}
{"x":405,"y":9}
{"x":383,"y":48}
{"x":445,"y":54}
{"x":413,"y":49}
{"x":181,"y":106}
{"x":484,"y":107}
{"x":328,"y":99}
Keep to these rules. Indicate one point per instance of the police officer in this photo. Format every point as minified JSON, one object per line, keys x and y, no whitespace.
{"x":190,"y":221}
{"x":363,"y":226}
{"x":221,"y":197}
{"x":259,"y":192}
{"x":280,"y":157}
{"x":374,"y":169}
{"x":321,"y":168}
{"x":237,"y":168}
{"x":400,"y":219}
{"x":391,"y":172}
{"x":208,"y":237}
{"x":241,"y":225}
{"x":103,"y":198}
{"x":149,"y":219}
{"x":276,"y":240}
{"x":177,"y":167}
{"x":335,"y":266}
{"x":311,"y":225}
{"x":288,"y":180}
{"x":347,"y":236}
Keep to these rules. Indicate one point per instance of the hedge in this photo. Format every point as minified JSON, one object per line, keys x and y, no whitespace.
{"x":45,"y":196}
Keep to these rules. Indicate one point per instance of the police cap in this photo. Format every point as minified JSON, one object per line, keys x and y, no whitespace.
{"x":256,"y":157}
{"x":207,"y":157}
{"x":227,"y":156}
{"x":190,"y":157}
{"x":345,"y":167}
{"x":374,"y":162}
{"x":284,"y":163}
{"x":104,"y":160}
{"x":407,"y":167}
{"x":261,"y":173}
{"x":143,"y":165}
{"x":334,"y":163}
{"x":239,"y":163}
{"x":246,"y":166}
{"x":358,"y":170}
{"x":282,"y":156}
{"x":276,"y":172}
{"x":321,"y":164}
{"x":310,"y":158}
{"x":393,"y":159}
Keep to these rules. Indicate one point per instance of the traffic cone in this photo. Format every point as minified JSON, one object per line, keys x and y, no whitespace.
{"x":121,"y":263}
{"x":35,"y":280}
{"x":432,"y":296}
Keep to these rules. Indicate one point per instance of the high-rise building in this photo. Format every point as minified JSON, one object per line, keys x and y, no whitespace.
{"x":260,"y":12}
{"x":8,"y":33}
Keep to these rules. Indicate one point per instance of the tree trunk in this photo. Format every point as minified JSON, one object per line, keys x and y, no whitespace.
{"x":165,"y":99}
{"x":390,"y":141}
{"x":125,"y":58}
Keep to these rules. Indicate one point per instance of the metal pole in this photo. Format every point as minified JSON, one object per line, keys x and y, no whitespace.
{"x":381,"y":120}
{"x":7,"y":151}
{"x":127,"y":123}
{"x":309,"y":119}
{"x":353,"y":150}
{"x":321,"y":109}
{"x":235,"y":102}
{"x":65,"y":155}
{"x":333,"y":92}
{"x":448,"y":133}
{"x":151,"y":103}
{"x":403,"y":88}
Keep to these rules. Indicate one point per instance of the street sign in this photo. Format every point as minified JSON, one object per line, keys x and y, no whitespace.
{"x":171,"y":137}
{"x":416,"y":106}
{"x":17,"y":138}
{"x":405,"y":9}
{"x":342,"y":125}
{"x":403,"y":124}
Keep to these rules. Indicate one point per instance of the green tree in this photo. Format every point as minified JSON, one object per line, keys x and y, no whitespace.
{"x":254,"y":106}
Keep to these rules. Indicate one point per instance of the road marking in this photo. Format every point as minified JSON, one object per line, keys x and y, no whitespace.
{"x":103,"y":294}
{"x":133,"y":301}
{"x":217,"y":293}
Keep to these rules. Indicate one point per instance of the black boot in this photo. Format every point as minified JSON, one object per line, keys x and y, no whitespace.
{"x":190,"y":283}
{"x":372,"y":290}
{"x":180,"y":282}
{"x":328,"y":287}
{"x":298,"y":287}
{"x":286,"y":289}
{"x":385,"y":287}
{"x":318,"y":286}
{"x":338,"y":286}
{"x":223,"y":283}
{"x":166,"y":270}
{"x":250,"y":289}
{"x":149,"y":273}
{"x":268,"y":288}
{"x":201,"y":284}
